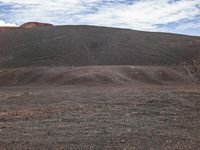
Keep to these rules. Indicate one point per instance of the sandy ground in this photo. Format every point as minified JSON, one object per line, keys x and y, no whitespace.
{"x":88,"y":117}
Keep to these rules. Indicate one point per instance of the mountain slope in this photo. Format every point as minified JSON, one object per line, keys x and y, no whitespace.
{"x":87,"y":46}
{"x":93,"y":75}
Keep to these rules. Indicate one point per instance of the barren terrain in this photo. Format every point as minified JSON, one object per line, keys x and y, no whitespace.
{"x":84,"y":87}
{"x":107,"y":117}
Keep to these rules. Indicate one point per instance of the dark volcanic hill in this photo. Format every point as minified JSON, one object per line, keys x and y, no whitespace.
{"x":88,"y":45}
{"x":24,"y":52}
{"x":98,"y":88}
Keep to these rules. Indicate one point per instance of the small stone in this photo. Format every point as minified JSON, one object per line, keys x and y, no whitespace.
{"x":122,"y":141}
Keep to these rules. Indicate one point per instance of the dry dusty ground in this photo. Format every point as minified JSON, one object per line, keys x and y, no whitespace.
{"x":88,"y":117}
{"x":134,"y":106}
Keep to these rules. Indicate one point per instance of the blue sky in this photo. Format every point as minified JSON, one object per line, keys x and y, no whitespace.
{"x":176,"y":16}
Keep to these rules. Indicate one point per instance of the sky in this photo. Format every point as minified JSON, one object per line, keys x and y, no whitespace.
{"x":175,"y":16}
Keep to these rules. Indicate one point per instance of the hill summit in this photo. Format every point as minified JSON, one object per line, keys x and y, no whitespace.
{"x":35,"y":24}
{"x":26,"y":25}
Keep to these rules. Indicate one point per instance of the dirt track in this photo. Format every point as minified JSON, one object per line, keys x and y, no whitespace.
{"x":76,"y":117}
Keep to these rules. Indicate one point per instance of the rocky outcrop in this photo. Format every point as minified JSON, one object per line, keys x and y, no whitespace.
{"x":27,"y":25}
{"x":35,"y":24}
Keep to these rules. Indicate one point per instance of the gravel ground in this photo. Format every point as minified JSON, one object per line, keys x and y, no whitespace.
{"x":89,"y":117}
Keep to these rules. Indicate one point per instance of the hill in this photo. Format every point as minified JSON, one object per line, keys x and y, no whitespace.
{"x":84,"y":87}
{"x":109,"y":53}
{"x":88,"y":45}
{"x":35,"y":24}
{"x":93,"y":75}
{"x":4,"y":29}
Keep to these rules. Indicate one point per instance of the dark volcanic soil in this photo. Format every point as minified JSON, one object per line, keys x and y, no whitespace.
{"x":94,"y":75}
{"x":96,"y":88}
{"x":89,"y":46}
{"x":85,"y":117}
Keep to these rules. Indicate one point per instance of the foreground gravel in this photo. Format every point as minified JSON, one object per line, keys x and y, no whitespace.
{"x":87,"y":117}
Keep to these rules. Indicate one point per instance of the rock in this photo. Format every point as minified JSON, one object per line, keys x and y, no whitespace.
{"x":35,"y":24}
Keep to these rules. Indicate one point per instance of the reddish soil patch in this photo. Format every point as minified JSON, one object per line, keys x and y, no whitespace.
{"x":35,"y":24}
{"x":3,"y":29}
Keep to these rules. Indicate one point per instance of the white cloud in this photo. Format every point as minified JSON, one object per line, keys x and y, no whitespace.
{"x":141,"y":14}
{"x":188,"y":26}
{"x":146,"y":14}
{"x":2,"y":23}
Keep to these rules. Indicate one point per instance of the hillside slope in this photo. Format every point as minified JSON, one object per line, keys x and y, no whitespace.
{"x":6,"y":29}
{"x":87,"y":46}
{"x":93,"y":75}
